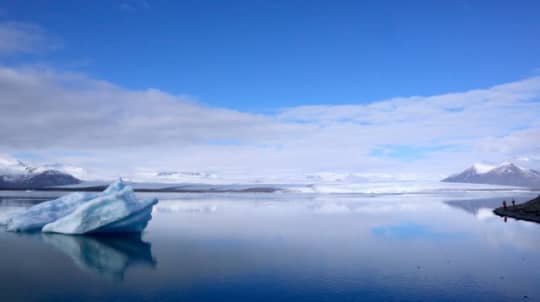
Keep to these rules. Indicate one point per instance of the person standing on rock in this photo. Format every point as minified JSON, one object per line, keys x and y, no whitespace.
{"x":504,"y":204}
{"x":513,"y":202}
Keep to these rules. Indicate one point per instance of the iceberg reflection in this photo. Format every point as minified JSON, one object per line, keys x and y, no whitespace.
{"x":109,"y":256}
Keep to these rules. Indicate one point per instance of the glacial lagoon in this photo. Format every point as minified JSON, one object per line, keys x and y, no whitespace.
{"x":445,"y":246}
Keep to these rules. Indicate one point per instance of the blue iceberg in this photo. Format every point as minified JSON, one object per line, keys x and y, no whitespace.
{"x":36,"y":217}
{"x":115,"y":210}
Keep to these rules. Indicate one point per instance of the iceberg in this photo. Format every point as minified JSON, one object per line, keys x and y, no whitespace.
{"x":115,"y":210}
{"x":41,"y":214}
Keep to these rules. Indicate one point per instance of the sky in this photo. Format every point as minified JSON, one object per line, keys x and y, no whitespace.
{"x":405,"y":89}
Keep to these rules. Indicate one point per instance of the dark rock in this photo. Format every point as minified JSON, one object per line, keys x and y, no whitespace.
{"x":529,"y":211}
{"x":47,"y":178}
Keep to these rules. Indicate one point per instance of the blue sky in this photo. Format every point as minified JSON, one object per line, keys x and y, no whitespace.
{"x":270,"y":88}
{"x":261,"y":55}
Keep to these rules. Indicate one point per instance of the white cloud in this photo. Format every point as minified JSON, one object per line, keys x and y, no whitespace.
{"x":18,"y":37}
{"x":80,"y":121}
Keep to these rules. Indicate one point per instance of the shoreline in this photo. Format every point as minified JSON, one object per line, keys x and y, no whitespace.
{"x":244,"y":188}
{"x":528,"y":211}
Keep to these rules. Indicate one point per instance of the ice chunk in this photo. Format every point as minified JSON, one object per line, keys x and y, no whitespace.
{"x":34,"y":218}
{"x":116,"y":210}
{"x":115,"y":187}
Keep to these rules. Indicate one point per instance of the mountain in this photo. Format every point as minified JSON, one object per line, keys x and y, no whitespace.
{"x":15,"y":174}
{"x":47,"y":178}
{"x":506,"y":174}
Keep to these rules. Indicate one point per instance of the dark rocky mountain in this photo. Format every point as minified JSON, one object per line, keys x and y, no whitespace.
{"x":43,"y":179}
{"x":506,"y":174}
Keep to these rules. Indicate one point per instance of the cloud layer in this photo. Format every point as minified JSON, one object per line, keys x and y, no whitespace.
{"x":58,"y":116}
{"x":18,"y":37}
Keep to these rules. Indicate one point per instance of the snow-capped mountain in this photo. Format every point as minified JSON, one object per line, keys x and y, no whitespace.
{"x":15,"y":174}
{"x":12,"y":166}
{"x":507,"y":174}
{"x":48,"y":178}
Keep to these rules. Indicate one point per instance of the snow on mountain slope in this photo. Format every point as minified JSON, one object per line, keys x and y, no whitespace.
{"x":507,"y":174}
{"x":15,"y":174}
{"x":481,"y":168}
{"x":13,"y":166}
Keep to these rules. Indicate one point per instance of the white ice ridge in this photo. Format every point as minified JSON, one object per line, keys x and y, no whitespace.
{"x":34,"y":218}
{"x":115,"y":210}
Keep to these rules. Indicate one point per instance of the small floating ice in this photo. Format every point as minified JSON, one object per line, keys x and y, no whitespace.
{"x":115,"y":210}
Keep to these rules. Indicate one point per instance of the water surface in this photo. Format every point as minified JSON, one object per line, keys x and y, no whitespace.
{"x":285,"y":247}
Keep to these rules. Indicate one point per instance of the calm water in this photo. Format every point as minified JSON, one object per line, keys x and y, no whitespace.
{"x":285,"y":247}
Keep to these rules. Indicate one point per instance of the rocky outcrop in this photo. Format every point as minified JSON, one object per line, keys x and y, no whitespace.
{"x":529,"y":210}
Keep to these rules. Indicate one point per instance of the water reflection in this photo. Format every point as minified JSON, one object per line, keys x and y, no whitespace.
{"x":411,"y":231}
{"x":475,"y":206}
{"x":108,"y":256}
{"x":482,"y":209}
{"x":287,"y":247}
